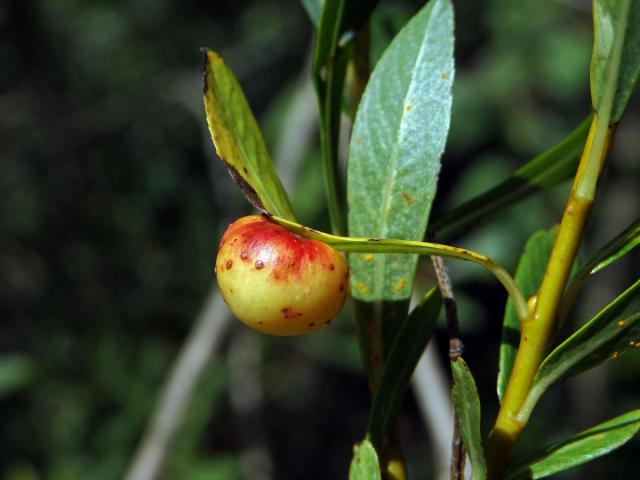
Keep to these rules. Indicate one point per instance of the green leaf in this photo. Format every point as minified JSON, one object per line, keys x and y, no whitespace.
{"x":578,"y":449}
{"x":467,"y":405}
{"x":613,"y":331}
{"x":409,"y":343}
{"x":238,"y":140}
{"x":616,"y":248}
{"x":619,"y":246}
{"x":337,"y":21}
{"x":555,"y":165}
{"x":364,"y":465}
{"x":615,"y":63}
{"x":329,"y":31}
{"x":329,"y":71}
{"x":398,"y":137}
{"x":528,"y":277}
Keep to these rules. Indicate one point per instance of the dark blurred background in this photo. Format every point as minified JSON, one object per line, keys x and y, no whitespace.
{"x":112,"y":203}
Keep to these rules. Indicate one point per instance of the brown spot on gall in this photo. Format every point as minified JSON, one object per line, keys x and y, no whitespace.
{"x":259,"y":264}
{"x":341,"y":288}
{"x":332,"y":266}
{"x":311,"y":325}
{"x":288,"y":312}
{"x":229,"y":264}
{"x":328,"y":322}
{"x":244,"y":255}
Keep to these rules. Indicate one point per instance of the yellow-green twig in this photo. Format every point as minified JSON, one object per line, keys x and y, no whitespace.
{"x":537,"y":330}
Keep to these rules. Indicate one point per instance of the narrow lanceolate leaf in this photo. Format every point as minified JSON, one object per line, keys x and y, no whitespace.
{"x":467,"y":405}
{"x":394,"y":158}
{"x":609,"y":334}
{"x":612,"y":251}
{"x":409,"y":343}
{"x":238,"y":139}
{"x":548,"y":169}
{"x":329,"y":70}
{"x":528,"y":278}
{"x":364,"y":464}
{"x":578,"y":449}
{"x":337,"y":20}
{"x":615,"y":64}
{"x":619,"y":246}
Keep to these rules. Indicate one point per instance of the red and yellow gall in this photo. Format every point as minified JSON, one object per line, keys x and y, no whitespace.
{"x":277,"y":282}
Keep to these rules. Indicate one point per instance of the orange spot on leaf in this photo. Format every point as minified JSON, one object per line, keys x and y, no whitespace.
{"x":399,"y":284}
{"x":362,"y":288}
{"x":408,"y":199}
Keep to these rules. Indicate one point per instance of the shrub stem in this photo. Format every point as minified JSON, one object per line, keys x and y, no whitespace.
{"x":538,"y":329}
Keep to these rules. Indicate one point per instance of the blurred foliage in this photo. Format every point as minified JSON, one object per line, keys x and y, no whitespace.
{"x":112,"y":203}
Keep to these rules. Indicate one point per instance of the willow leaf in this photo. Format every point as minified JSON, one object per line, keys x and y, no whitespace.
{"x":398,"y":137}
{"x":467,"y":405}
{"x":615,"y":330}
{"x":615,"y":63}
{"x":578,"y":449}
{"x":364,"y":464}
{"x":551,"y":167}
{"x":238,"y":140}
{"x":406,"y":350}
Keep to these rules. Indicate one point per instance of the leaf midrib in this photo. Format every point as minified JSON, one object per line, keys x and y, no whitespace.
{"x":381,"y":259}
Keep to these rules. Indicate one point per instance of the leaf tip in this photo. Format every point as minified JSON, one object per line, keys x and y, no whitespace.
{"x":208,"y":56}
{"x":204,"y":52}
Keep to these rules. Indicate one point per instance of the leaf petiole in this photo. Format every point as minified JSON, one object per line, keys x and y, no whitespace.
{"x":379,"y":245}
